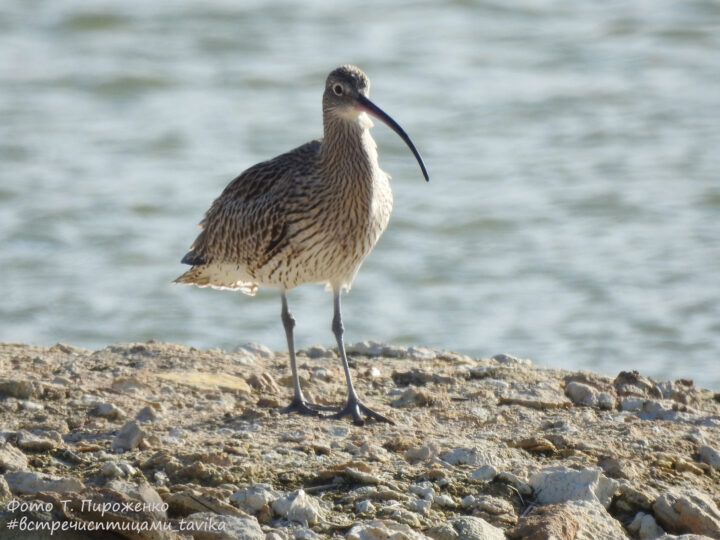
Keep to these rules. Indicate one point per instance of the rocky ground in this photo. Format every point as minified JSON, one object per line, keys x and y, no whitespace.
{"x":162,"y":441}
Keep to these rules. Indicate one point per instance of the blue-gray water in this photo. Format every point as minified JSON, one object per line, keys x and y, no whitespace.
{"x":574,"y":150}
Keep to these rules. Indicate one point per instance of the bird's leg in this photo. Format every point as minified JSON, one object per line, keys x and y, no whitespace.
{"x":353,"y":406}
{"x":298,"y":404}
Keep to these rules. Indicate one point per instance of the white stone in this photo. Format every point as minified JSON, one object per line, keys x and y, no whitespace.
{"x":486,"y":473}
{"x":364,"y":506}
{"x":128,"y":437}
{"x":562,"y":484}
{"x":299,"y":507}
{"x":645,"y":527}
{"x":254,"y":498}
{"x":581,"y":394}
{"x":709,"y":455}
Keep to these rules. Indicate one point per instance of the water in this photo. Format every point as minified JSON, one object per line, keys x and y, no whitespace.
{"x":571,"y":217}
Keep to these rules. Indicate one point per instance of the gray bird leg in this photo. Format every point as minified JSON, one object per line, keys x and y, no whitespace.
{"x":353,"y":406}
{"x":298,"y":404}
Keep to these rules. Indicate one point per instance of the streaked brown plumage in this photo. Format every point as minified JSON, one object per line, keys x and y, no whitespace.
{"x":309,"y":215}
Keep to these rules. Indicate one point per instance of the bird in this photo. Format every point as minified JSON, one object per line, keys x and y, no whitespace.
{"x":310,"y":215}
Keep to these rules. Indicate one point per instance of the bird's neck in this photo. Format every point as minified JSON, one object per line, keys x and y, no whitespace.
{"x":348,"y":152}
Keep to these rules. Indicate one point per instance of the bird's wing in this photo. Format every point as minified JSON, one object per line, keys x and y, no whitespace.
{"x":247,"y":222}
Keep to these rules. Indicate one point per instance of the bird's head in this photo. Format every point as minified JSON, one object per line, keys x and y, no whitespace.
{"x":346,"y":97}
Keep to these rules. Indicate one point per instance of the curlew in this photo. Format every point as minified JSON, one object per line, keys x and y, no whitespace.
{"x":310,"y":215}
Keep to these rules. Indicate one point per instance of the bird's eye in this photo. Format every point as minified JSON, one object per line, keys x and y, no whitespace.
{"x":338,"y":89}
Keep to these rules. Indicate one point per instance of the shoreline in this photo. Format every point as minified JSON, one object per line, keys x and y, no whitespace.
{"x":499,"y":446}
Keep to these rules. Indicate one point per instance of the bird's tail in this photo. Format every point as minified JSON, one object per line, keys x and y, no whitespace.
{"x":219,"y":276}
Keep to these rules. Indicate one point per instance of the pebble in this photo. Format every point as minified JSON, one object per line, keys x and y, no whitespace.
{"x":424,"y":490}
{"x":225,"y":527}
{"x":421,"y":506}
{"x":28,"y":405}
{"x":146,"y":414}
{"x":109,"y":411}
{"x":300,"y":507}
{"x":36,"y":443}
{"x":709,"y":455}
{"x":420,"y":453}
{"x":111,"y":470}
{"x":486,"y":473}
{"x":25,"y":483}
{"x":644,"y":527}
{"x":581,"y":394}
{"x":253,"y":498}
{"x":445,"y":500}
{"x":128,"y":437}
{"x":364,"y":507}
{"x":20,"y":389}
{"x":561,"y":484}
{"x":466,"y":528}
{"x":384,"y":529}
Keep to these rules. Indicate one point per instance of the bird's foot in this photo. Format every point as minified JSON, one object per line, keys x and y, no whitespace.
{"x":356,"y":409}
{"x":301,"y":406}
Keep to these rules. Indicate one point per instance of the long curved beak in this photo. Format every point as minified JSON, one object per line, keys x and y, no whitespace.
{"x":369,"y":107}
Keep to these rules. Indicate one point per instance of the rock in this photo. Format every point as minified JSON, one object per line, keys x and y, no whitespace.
{"x":11,"y":459}
{"x":300,"y":507}
{"x":109,"y":411}
{"x":709,"y":455}
{"x":555,"y":521}
{"x":111,"y":470}
{"x":486,"y":473}
{"x":420,"y":453}
{"x":581,"y":394}
{"x":128,"y":437}
{"x":27,"y":483}
{"x":644,"y":527}
{"x":690,"y":511}
{"x":35,"y":443}
{"x":252,"y":499}
{"x":364,"y":507}
{"x":146,"y":414}
{"x":561,"y":484}
{"x":383,"y":529}
{"x":210,"y":526}
{"x":21,"y":389}
{"x":466,"y":528}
